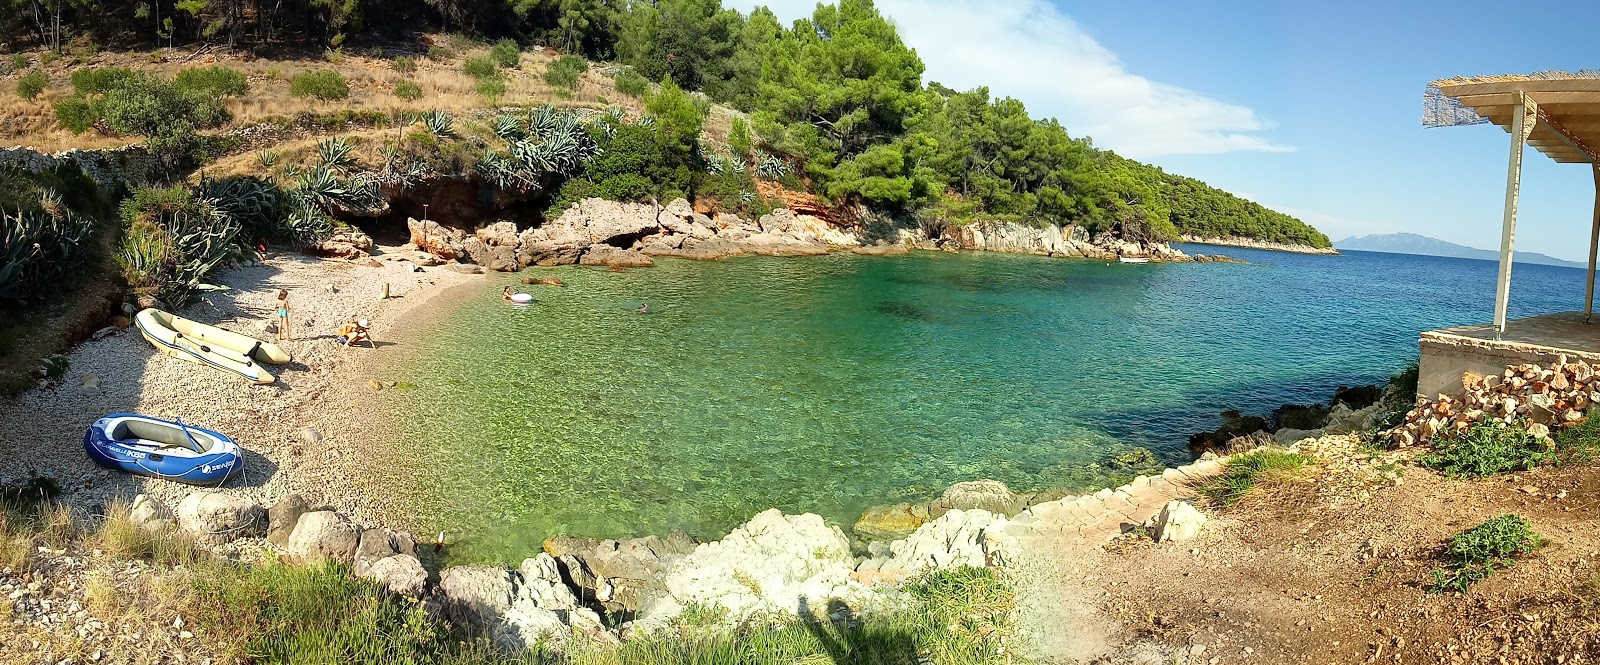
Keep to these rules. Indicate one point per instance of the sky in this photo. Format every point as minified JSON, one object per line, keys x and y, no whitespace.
{"x":1313,"y":109}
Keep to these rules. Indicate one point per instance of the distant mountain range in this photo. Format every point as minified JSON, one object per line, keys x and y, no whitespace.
{"x":1411,"y":243}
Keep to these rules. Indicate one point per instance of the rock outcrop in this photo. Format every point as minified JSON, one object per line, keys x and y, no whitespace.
{"x":1178,"y":521}
{"x":957,"y":538}
{"x":215,"y":518}
{"x":281,"y":518}
{"x":517,"y":609}
{"x":620,"y":575}
{"x":347,"y":242}
{"x":323,"y":535}
{"x":151,"y":514}
{"x":1070,"y":241}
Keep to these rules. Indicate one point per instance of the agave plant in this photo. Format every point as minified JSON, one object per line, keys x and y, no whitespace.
{"x":320,"y":186}
{"x":268,"y":158}
{"x":542,"y":120}
{"x":335,"y":152}
{"x":771,"y":167}
{"x":509,"y":127}
{"x":37,"y":247}
{"x":440,"y":123}
{"x":647,"y":121}
{"x":255,"y":202}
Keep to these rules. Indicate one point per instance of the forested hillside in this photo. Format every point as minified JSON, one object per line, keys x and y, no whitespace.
{"x":838,"y":96}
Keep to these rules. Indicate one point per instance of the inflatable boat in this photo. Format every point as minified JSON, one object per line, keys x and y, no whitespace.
{"x":209,"y":345}
{"x":162,"y":449}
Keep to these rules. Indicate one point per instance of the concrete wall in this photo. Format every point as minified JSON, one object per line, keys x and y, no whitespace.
{"x":1445,"y":357}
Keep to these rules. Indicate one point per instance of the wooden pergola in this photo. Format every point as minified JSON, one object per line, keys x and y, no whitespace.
{"x":1555,"y":112}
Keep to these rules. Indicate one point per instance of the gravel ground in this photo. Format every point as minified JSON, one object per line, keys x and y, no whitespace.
{"x":326,"y":389}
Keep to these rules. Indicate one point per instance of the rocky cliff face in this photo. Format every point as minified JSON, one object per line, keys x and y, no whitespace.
{"x":1252,"y":243}
{"x":1070,"y":241}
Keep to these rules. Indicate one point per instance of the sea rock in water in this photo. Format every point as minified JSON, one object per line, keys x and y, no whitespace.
{"x":216,"y":518}
{"x":1178,"y":521}
{"x":323,"y":535}
{"x":401,"y":574}
{"x":990,"y":495}
{"x":283,"y":515}
{"x":890,"y":522}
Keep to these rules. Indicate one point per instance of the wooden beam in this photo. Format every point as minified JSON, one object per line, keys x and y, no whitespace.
{"x":1594,"y":249}
{"x":1567,"y":137}
{"x":1543,"y":98}
{"x":1555,"y":85}
{"x":1522,"y":126}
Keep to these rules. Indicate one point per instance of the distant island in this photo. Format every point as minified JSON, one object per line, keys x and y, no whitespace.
{"x":1411,"y":243}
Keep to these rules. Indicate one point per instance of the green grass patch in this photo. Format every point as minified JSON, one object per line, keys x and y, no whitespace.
{"x":217,"y":81}
{"x":324,"y":84}
{"x":407,"y":90}
{"x":1580,"y":443}
{"x":1473,"y":555}
{"x":1247,"y":470}
{"x":1487,"y":448}
{"x":404,"y":64}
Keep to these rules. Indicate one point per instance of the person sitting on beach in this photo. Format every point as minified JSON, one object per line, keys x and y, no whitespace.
{"x":355,"y":331}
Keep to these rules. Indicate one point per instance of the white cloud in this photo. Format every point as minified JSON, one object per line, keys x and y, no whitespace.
{"x":1029,"y":50}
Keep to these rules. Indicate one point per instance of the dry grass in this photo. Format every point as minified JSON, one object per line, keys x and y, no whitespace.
{"x":57,"y":526}
{"x":15,"y":545}
{"x":371,"y":80}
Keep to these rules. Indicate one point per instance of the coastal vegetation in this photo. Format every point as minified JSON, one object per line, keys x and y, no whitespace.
{"x":1247,"y":470}
{"x":1475,"y":554}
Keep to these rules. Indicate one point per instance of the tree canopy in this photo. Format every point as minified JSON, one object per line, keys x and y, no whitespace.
{"x":836,"y":94}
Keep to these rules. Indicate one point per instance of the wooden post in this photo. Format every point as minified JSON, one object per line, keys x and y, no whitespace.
{"x":1521,"y":127}
{"x":1594,"y":245}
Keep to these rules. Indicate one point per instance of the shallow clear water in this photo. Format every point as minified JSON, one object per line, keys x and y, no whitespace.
{"x":830,"y":384}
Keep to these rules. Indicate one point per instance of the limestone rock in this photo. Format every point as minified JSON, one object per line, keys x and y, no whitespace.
{"x":466,"y":268}
{"x":889,"y":522}
{"x":151,"y":514}
{"x":401,"y":574}
{"x":518,"y":609}
{"x":1178,"y":521}
{"x":622,"y":575}
{"x":283,"y":515}
{"x":956,"y":538}
{"x":606,"y":255}
{"x":216,"y":518}
{"x":377,"y":544}
{"x":323,"y":535}
{"x":680,"y":208}
{"x":990,"y":495}
{"x":436,"y":239}
{"x":347,"y":242}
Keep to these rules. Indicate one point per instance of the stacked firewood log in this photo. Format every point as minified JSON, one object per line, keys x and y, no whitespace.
{"x":1541,"y":398}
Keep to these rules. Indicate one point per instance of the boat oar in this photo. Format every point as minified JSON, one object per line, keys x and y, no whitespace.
{"x":185,"y":429}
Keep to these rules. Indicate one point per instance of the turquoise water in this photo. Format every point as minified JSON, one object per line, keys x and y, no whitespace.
{"x":829,"y":384}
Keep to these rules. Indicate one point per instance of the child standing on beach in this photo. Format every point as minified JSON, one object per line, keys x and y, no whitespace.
{"x":284,"y":332}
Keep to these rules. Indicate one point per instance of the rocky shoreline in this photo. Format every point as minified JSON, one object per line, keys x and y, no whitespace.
{"x":1252,"y":243}
{"x":609,"y":233}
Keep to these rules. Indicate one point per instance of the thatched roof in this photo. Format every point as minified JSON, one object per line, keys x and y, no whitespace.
{"x":1568,"y":127}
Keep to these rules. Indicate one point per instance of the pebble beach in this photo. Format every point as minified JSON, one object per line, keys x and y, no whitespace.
{"x":315,"y":431}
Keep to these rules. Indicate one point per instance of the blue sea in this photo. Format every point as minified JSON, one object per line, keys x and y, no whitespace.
{"x":830,"y":384}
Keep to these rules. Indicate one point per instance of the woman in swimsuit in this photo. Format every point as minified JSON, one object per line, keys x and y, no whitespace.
{"x":284,"y":332}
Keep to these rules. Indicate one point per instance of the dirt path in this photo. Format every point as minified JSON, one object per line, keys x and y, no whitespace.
{"x":1334,"y":568}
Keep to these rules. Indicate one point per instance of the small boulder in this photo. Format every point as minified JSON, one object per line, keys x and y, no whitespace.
{"x":990,"y":495}
{"x":889,"y":522}
{"x":150,"y":513}
{"x":378,"y":544}
{"x":323,"y":535}
{"x":401,"y":574}
{"x":1178,"y":521}
{"x":214,"y":517}
{"x":283,"y":515}
{"x":466,"y":268}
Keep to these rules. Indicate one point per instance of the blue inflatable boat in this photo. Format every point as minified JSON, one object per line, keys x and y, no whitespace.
{"x":162,"y":449}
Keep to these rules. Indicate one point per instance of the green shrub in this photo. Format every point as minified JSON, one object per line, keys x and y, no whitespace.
{"x":219,"y":81}
{"x":506,"y":53}
{"x":20,"y":61}
{"x":76,"y":114}
{"x":492,"y":88}
{"x":407,"y":90}
{"x":324,"y":84}
{"x":31,"y":84}
{"x":404,"y":64}
{"x":166,"y":116}
{"x":1486,"y":448}
{"x":440,"y":53}
{"x":631,"y":83}
{"x":1246,"y":470}
{"x":93,"y":80}
{"x":1580,"y":443}
{"x":739,"y":138}
{"x":566,"y":71}
{"x":1473,"y":555}
{"x":479,"y":67}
